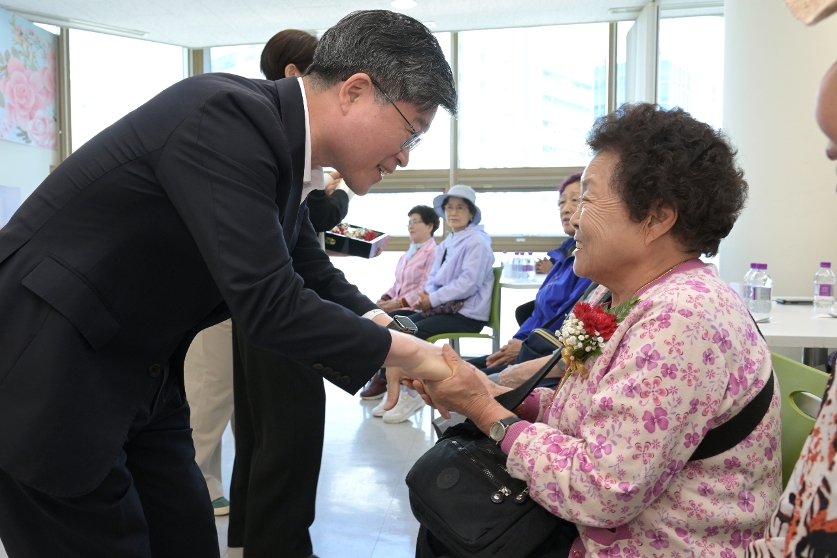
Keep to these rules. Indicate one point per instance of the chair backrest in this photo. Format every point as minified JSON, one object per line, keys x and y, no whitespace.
{"x":801,"y":387}
{"x":494,"y":316}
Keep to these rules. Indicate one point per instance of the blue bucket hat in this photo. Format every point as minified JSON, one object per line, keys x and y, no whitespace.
{"x":460,"y":191}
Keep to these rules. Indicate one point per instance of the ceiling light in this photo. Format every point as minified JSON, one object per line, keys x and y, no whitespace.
{"x":60,"y":21}
{"x":403,"y":4}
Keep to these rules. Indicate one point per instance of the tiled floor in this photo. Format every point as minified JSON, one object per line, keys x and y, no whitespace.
{"x":362,"y":505}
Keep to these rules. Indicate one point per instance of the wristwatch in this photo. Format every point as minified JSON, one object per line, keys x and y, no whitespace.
{"x":498,"y":430}
{"x":403,"y":324}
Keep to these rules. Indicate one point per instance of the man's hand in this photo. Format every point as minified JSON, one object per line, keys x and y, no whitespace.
{"x":543,"y":266}
{"x":467,"y":391}
{"x":506,"y":355}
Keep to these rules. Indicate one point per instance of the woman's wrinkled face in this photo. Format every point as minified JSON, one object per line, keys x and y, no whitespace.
{"x":420,"y":232}
{"x":607,"y":239}
{"x":567,"y":204}
{"x":457,"y":213}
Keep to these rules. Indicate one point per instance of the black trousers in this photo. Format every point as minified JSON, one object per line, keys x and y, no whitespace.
{"x":154,"y":501}
{"x":279,"y":427}
{"x":444,"y":323}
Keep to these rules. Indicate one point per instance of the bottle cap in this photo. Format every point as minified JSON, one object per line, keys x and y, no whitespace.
{"x":825,"y":264}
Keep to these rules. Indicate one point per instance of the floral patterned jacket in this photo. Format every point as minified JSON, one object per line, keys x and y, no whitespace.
{"x":611,"y":452}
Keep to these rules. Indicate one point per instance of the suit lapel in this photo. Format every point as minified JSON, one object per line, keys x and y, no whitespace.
{"x":292,"y":113}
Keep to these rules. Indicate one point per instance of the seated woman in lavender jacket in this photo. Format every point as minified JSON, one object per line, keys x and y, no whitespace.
{"x":457,"y":295}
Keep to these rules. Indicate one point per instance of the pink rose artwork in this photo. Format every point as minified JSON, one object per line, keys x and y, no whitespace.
{"x":27,"y":83}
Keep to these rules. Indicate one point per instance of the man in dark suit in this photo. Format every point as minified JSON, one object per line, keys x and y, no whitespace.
{"x":186,"y":211}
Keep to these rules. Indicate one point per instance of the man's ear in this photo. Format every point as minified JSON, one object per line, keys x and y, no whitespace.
{"x":659,"y":221}
{"x":355,"y":89}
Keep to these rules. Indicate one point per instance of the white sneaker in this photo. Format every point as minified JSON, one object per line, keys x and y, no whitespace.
{"x":378,"y":410}
{"x":407,"y":406}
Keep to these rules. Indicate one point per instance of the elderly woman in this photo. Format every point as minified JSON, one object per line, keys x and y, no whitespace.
{"x":457,"y":295}
{"x":611,"y":450}
{"x":411,"y":273}
{"x":559,"y":291}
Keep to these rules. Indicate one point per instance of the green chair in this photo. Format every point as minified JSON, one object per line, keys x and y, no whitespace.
{"x":493,"y":321}
{"x":802,"y":388}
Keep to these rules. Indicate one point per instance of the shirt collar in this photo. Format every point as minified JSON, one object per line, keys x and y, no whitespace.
{"x":312,"y":176}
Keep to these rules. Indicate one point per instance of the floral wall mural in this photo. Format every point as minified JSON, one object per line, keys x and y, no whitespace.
{"x":27,"y":82}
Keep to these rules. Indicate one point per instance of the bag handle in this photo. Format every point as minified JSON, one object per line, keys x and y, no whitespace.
{"x":512,"y":399}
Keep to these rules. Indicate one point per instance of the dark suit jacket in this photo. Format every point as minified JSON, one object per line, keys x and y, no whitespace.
{"x":327,"y":211}
{"x":183,"y":212}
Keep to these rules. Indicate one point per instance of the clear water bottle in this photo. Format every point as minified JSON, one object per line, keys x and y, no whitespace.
{"x":824,"y":289}
{"x":530,"y":267}
{"x":762,"y":290}
{"x":506,"y":265}
{"x":747,"y":285}
{"x":516,"y":266}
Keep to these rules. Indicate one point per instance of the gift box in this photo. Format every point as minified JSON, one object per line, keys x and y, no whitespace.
{"x":355,"y":241}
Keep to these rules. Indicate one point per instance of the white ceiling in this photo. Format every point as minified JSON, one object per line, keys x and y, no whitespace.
{"x":202,"y":23}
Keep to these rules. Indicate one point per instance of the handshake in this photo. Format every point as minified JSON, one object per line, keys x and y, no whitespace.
{"x":448,"y":383}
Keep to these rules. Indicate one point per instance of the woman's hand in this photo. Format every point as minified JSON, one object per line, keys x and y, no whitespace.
{"x":515,"y":375}
{"x":388,"y":305}
{"x":467,"y":391}
{"x":543,"y":266}
{"x":506,"y":355}
{"x":423,"y":302}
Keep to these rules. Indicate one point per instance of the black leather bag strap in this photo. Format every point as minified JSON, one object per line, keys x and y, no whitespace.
{"x":732,"y":432}
{"x":512,"y":399}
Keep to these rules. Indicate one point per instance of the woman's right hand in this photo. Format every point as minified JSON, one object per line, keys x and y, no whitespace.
{"x":388,"y":305}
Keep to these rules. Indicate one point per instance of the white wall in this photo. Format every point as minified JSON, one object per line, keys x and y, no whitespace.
{"x":24,"y":166}
{"x":773,"y":64}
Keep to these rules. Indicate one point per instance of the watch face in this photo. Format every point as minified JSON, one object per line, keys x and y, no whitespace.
{"x":405,"y":324}
{"x":497,"y":431}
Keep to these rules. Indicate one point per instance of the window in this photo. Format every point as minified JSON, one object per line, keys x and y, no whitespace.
{"x":388,"y":212}
{"x":434,"y":151}
{"x":689,"y":77}
{"x":529,"y":96}
{"x":241,"y":60}
{"x":519,"y":213}
{"x":111,"y":76}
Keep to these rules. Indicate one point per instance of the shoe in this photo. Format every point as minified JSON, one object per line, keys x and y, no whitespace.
{"x":221,"y":506}
{"x":376,"y":388}
{"x":407,"y":406}
{"x":378,"y":411}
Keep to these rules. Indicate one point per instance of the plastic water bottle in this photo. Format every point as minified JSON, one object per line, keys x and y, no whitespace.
{"x":506,"y":265}
{"x":530,"y":267}
{"x":515,"y":267}
{"x":824,"y":289}
{"x":762,"y":290}
{"x":747,"y":285}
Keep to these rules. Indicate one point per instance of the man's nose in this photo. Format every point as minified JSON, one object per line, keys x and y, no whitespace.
{"x":403,"y":157}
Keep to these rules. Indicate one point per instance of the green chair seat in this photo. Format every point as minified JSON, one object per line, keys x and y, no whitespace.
{"x":802,"y":388}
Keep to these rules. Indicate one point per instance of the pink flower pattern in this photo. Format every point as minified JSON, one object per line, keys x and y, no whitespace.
{"x":618,"y":443}
{"x":27,"y":88}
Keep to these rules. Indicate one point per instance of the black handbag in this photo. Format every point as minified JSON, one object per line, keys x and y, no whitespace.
{"x":461,"y":491}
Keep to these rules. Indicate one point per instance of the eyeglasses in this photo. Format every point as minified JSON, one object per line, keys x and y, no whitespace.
{"x":415,"y":137}
{"x":411,"y":223}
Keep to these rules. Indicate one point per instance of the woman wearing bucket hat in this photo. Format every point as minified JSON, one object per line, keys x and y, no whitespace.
{"x":457,"y":295}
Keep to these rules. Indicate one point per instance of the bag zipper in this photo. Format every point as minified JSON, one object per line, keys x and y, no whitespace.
{"x":498,"y":496}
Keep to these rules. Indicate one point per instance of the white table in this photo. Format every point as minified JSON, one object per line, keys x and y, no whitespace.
{"x":523,"y":283}
{"x":793,"y":325}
